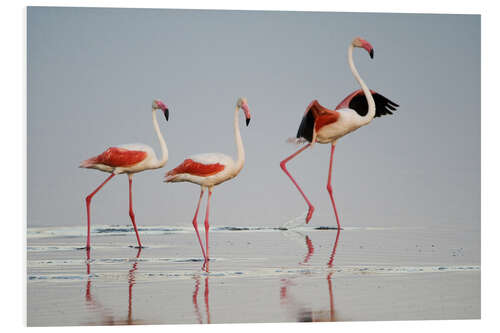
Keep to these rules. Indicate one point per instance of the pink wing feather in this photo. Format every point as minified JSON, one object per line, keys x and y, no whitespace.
{"x":116,"y":157}
{"x":196,"y":169}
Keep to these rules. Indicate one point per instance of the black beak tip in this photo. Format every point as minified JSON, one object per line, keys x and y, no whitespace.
{"x":248,"y":121}
{"x":166,"y":114}
{"x":371,"y":53}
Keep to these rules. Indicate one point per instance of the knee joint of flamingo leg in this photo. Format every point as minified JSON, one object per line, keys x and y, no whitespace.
{"x":131,"y":213}
{"x":329,"y":188}
{"x":283,"y":165}
{"x":88,"y":199}
{"x":206,"y":225}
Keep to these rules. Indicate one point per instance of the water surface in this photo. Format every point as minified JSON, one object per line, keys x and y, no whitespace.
{"x":255,"y":275}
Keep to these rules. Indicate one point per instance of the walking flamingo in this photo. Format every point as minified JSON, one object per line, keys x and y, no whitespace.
{"x":209,"y":170}
{"x":322,"y":125}
{"x":128,"y":159}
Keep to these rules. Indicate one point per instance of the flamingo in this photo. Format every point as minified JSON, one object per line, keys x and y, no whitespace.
{"x":325,"y":126}
{"x":128,"y":159}
{"x":209,"y":170}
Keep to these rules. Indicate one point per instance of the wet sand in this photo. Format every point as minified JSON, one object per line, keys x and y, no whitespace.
{"x":255,"y":275}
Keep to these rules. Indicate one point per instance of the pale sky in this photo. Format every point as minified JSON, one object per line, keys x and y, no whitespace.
{"x":92,"y":74}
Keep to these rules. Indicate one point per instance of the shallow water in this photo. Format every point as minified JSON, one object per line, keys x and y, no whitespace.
{"x":255,"y":275}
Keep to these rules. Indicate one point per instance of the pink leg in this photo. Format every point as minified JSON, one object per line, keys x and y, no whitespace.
{"x":310,"y":250}
{"x":283,"y":166}
{"x":195,"y":224}
{"x":87,"y":201}
{"x":131,"y":211}
{"x":131,"y":282}
{"x":329,"y":187}
{"x":88,"y":296}
{"x":330,"y":291}
{"x":332,"y":255}
{"x":207,"y":307}
{"x":195,"y":300}
{"x":207,"y":226}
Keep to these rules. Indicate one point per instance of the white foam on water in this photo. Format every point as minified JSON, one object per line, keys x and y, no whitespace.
{"x":56,"y":232}
{"x":264,"y":272}
{"x":296,"y":224}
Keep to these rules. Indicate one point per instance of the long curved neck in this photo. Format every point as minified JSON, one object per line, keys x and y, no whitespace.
{"x":371,"y":103}
{"x":239,"y":143}
{"x":163,"y":145}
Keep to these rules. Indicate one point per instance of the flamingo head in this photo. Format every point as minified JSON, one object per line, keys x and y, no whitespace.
{"x":159,"y":105}
{"x":360,"y":42}
{"x":242,"y":104}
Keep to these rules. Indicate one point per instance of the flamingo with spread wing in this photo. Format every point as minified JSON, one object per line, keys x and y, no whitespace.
{"x":326,"y":126}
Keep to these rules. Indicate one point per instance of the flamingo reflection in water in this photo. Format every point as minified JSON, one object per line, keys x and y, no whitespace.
{"x":205,"y":298}
{"x":307,"y":315}
{"x":95,"y":306}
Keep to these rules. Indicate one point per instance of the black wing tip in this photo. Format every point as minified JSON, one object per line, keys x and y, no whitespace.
{"x":391,"y":103}
{"x":384,"y":105}
{"x":306,"y":127}
{"x":304,"y":134}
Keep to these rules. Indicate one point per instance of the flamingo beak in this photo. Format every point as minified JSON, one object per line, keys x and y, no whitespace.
{"x":165,"y":112}
{"x":247,"y":113}
{"x":368,"y":47}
